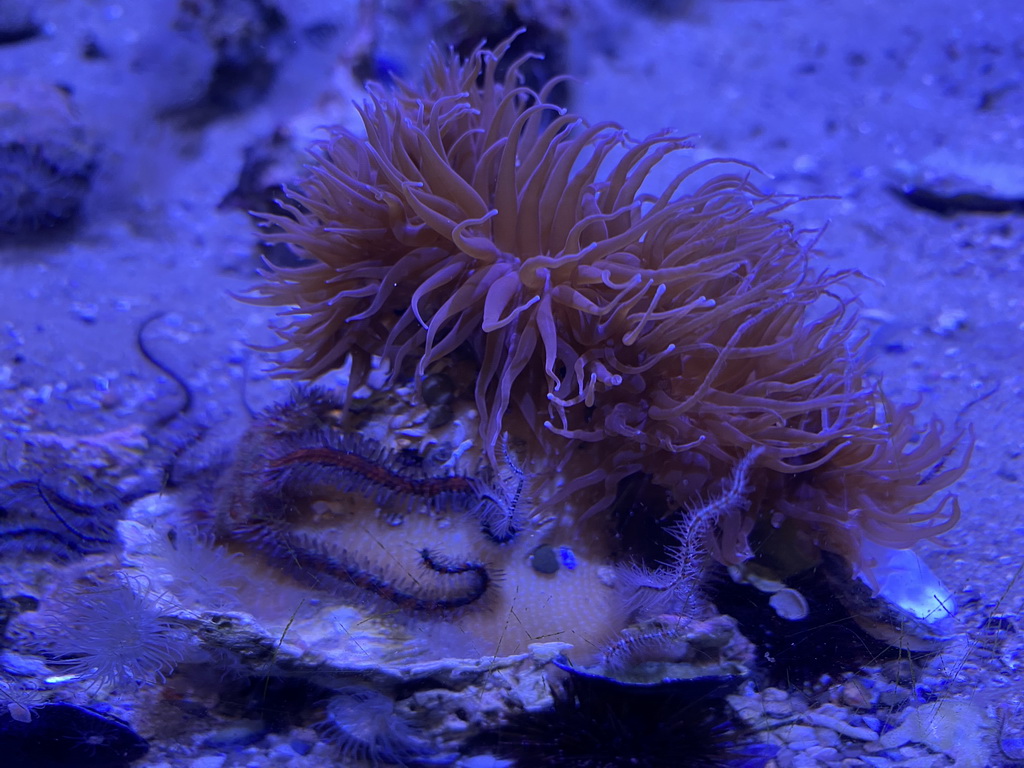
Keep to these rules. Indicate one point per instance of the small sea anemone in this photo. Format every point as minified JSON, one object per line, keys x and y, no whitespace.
{"x":204,"y":573}
{"x":114,"y":635}
{"x":47,"y":157}
{"x":614,"y":329}
{"x":366,"y":728}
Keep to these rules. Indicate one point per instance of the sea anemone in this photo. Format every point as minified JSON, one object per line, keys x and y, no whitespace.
{"x":203,"y":572}
{"x":114,"y":635}
{"x":47,"y":157}
{"x":366,"y":728}
{"x":613,"y":329}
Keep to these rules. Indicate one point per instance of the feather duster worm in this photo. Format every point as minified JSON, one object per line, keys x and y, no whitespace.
{"x":614,"y":329}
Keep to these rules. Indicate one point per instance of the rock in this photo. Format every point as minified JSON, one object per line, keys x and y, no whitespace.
{"x":59,"y":735}
{"x":249,"y":40}
{"x":17,"y":21}
{"x":957,"y":729}
{"x":855,"y":694}
{"x":839,"y":726}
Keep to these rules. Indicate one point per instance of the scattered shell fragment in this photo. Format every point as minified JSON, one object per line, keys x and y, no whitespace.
{"x":789,"y":604}
{"x":899,"y":601}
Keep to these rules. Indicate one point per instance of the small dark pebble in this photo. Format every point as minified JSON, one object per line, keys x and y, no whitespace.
{"x":900,"y":671}
{"x":191,"y":708}
{"x":1000,"y":623}
{"x":17,"y":22}
{"x":951,"y":204}
{"x":438,"y":389}
{"x":300,"y":747}
{"x":440,"y":415}
{"x":925,"y":693}
{"x":26,"y":602}
{"x":544,"y":559}
{"x":62,"y":735}
{"x":110,"y":399}
{"x":894,"y":698}
{"x":92,"y":50}
{"x":251,"y":38}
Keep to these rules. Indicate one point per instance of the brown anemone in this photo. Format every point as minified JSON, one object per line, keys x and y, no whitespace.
{"x":618,"y":330}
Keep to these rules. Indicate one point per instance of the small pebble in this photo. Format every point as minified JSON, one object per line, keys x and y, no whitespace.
{"x":844,"y":729}
{"x":855,"y":694}
{"x":110,"y":399}
{"x":795,"y":734}
{"x":238,"y":734}
{"x":281,"y":752}
{"x":789,"y":604}
{"x":827,"y":737}
{"x":568,"y":558}
{"x":894,"y":698}
{"x":544,"y":559}
{"x":439,"y":416}
{"x":87,"y":312}
{"x":912,"y":751}
{"x":823,"y":754}
{"x":778,"y":709}
{"x":833,"y":711}
{"x":18,"y":21}
{"x":949,"y":321}
{"x":872,"y":722}
{"x":900,"y":671}
{"x":438,"y":389}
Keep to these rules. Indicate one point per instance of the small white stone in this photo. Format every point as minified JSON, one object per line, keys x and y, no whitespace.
{"x":789,"y":604}
{"x":949,"y":320}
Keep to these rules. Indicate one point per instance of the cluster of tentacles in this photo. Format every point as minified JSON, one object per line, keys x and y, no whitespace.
{"x":616,"y":330}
